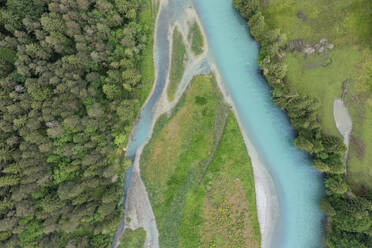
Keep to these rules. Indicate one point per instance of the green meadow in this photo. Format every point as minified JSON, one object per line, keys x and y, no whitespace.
{"x":198,"y":174}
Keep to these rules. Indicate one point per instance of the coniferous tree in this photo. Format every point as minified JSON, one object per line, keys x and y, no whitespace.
{"x":69,"y":84}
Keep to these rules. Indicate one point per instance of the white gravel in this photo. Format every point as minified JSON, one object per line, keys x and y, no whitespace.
{"x":343,"y":121}
{"x":138,"y":207}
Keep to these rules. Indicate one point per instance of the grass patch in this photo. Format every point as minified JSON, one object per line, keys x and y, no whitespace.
{"x":346,"y":24}
{"x":147,"y":66}
{"x":223,"y":207}
{"x":184,"y":148}
{"x":133,"y":238}
{"x":177,"y":63}
{"x":178,"y":152}
{"x":342,"y":22}
{"x":196,"y":39}
{"x":360,"y":158}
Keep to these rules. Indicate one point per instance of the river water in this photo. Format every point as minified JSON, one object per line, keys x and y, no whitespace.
{"x":297,"y":186}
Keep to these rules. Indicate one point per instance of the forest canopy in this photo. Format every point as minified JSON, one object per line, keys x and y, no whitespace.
{"x":69,"y":90}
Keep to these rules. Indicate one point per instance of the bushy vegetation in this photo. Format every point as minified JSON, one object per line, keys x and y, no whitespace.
{"x":349,"y":213}
{"x":182,"y":167}
{"x":133,"y":238}
{"x":70,"y":87}
{"x":177,"y":67}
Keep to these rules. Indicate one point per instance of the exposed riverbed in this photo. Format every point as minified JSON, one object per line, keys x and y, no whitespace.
{"x":343,"y":122}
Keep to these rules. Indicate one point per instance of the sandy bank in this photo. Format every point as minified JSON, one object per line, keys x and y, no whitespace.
{"x":343,"y":121}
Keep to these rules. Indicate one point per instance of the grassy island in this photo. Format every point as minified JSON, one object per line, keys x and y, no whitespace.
{"x":196,"y":39}
{"x":198,"y":174}
{"x":177,"y":67}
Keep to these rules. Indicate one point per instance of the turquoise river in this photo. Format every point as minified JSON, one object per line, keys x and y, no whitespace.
{"x":295,"y":219}
{"x":298,"y":185}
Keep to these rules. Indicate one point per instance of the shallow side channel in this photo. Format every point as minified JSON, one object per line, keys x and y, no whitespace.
{"x":142,"y":128}
{"x":169,"y":12}
{"x":298,"y":185}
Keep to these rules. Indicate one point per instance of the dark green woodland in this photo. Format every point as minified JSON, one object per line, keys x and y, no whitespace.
{"x":70,"y":85}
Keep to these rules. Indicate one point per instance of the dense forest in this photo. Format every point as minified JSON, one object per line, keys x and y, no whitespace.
{"x":349,"y":214}
{"x":69,"y":93}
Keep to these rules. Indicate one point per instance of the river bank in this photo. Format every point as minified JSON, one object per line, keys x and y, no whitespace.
{"x":297,"y":81}
{"x":350,"y":57}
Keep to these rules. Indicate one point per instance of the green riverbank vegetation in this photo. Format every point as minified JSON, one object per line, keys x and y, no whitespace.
{"x":147,"y":17}
{"x":73,"y":77}
{"x":133,"y":238}
{"x":302,"y":93}
{"x":198,"y":174}
{"x":196,"y":39}
{"x":178,"y":61}
{"x":343,"y":70}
